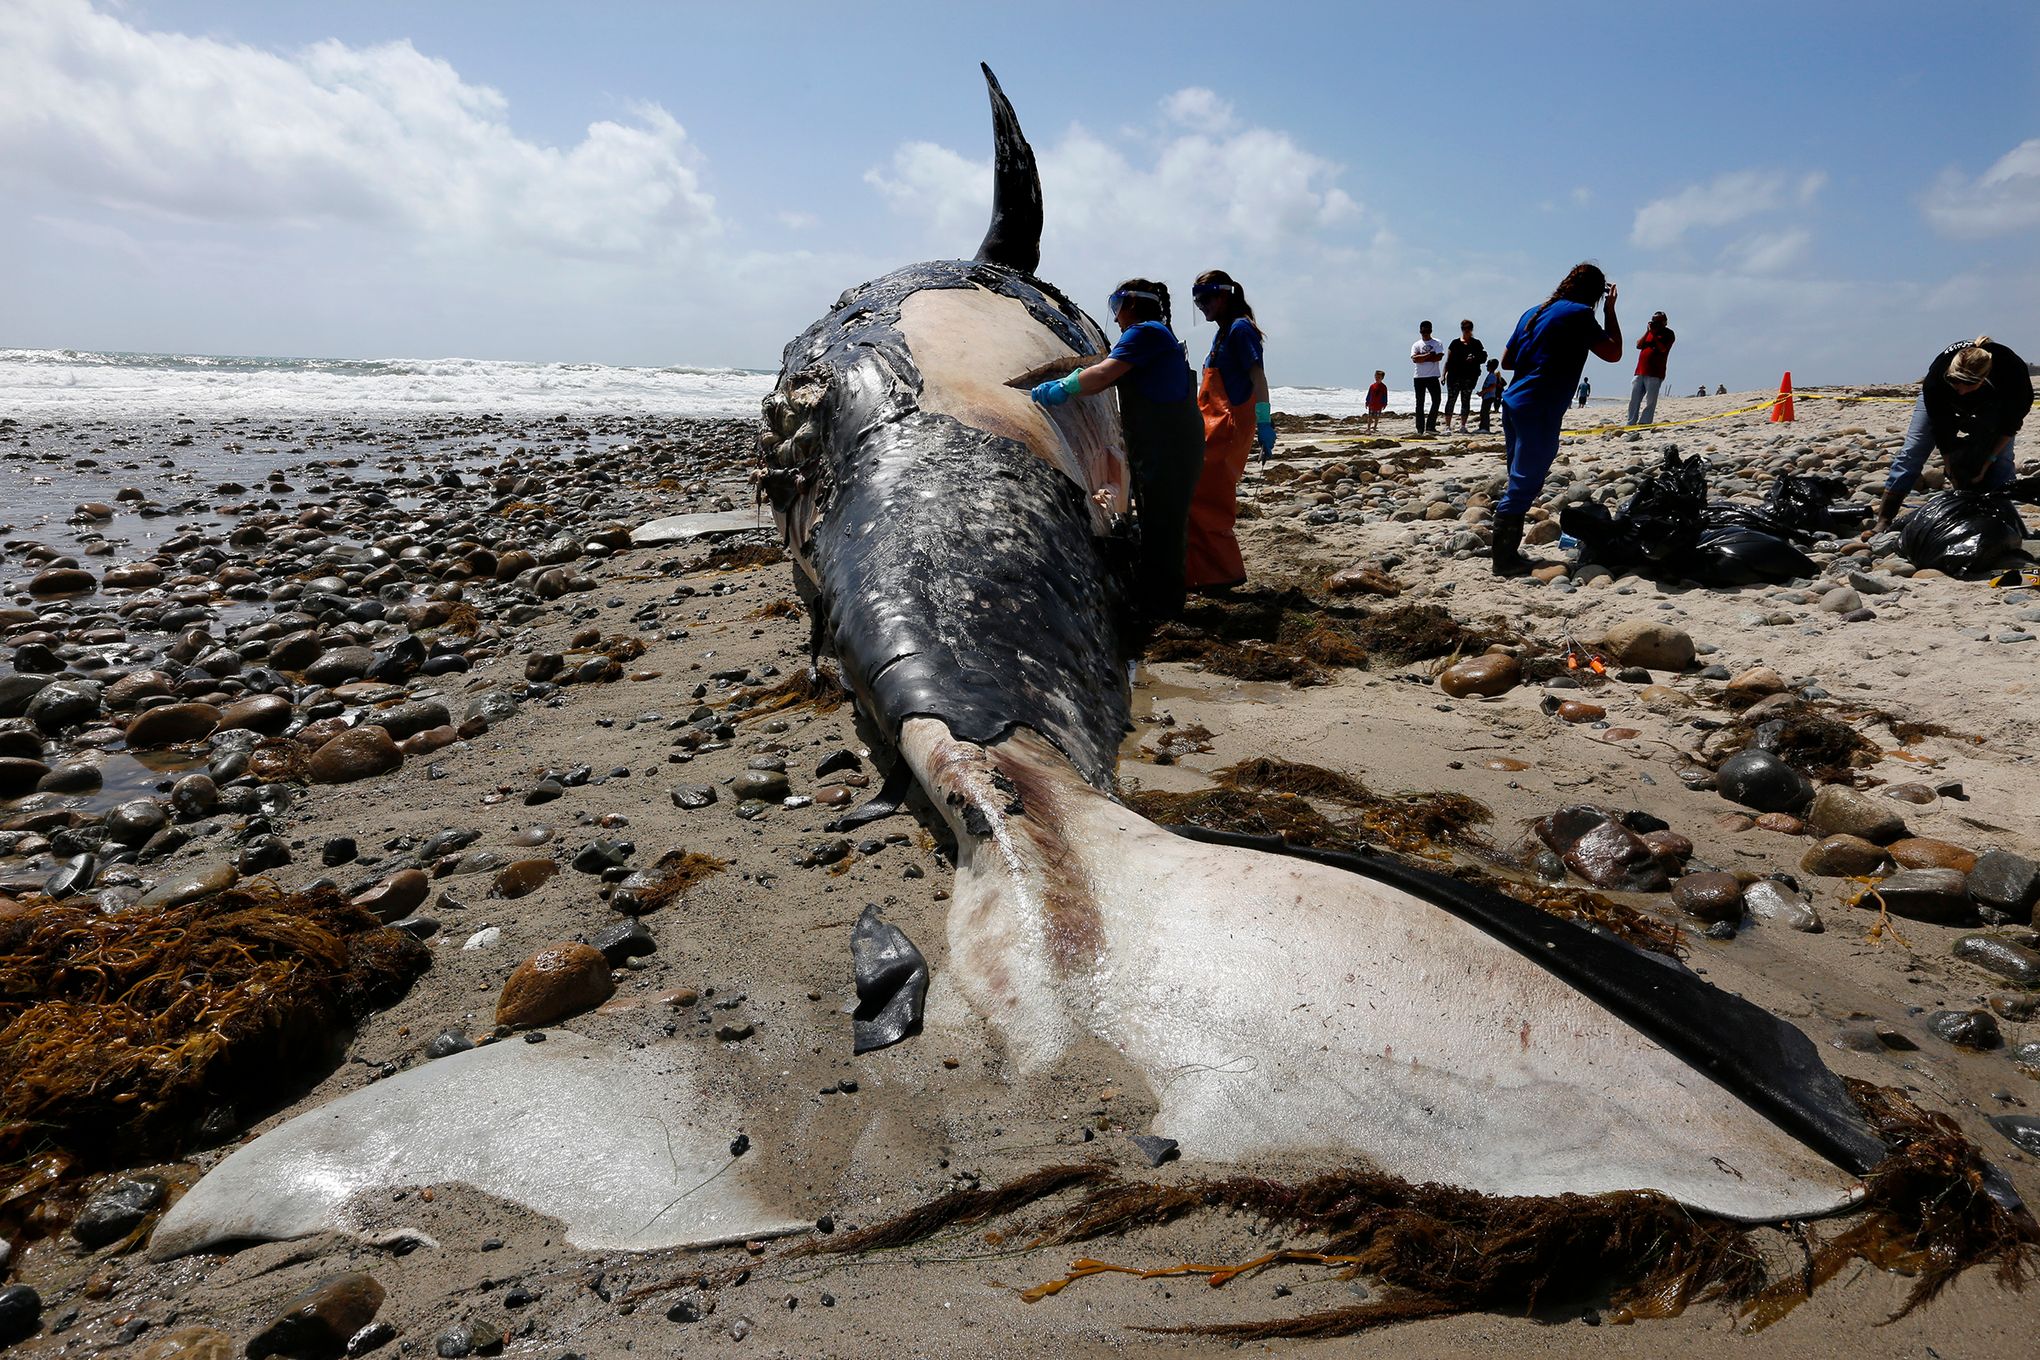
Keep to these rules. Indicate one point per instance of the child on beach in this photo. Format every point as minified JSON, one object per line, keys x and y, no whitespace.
{"x":1490,"y":392}
{"x":1377,"y":400}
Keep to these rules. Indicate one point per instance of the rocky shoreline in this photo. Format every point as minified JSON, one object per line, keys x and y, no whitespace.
{"x":419,"y":682}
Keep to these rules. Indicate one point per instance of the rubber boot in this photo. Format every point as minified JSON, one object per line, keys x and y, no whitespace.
{"x":1508,"y":541}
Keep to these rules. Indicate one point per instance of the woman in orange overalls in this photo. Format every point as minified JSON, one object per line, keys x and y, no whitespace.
{"x":1233,"y":398}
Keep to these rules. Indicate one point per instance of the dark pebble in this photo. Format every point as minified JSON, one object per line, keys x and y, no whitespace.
{"x":627,"y":939}
{"x":1154,"y":1147}
{"x":1966,"y":1029}
{"x":20,"y":1313}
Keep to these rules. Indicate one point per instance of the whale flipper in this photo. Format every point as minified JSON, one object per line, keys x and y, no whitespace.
{"x":1287,"y":1007}
{"x":1014,"y":238}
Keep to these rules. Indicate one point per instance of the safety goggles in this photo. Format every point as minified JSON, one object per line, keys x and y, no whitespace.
{"x":1205,"y":292}
{"x":1126,"y":295}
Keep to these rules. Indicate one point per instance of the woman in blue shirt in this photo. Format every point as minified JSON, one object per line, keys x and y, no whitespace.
{"x":1547,"y":353}
{"x":1164,"y":433}
{"x":1234,"y":399}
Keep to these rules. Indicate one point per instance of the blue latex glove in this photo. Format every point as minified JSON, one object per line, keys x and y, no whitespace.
{"x":1056,"y":391}
{"x":1264,"y":429}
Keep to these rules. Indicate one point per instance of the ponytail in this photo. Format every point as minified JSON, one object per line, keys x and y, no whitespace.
{"x":1149,"y":299}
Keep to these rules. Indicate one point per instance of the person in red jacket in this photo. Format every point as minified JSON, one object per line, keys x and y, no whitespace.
{"x":1651,"y":348}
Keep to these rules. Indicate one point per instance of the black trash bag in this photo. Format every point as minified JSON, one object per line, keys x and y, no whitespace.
{"x":1804,"y":507}
{"x":1737,"y":554}
{"x":1964,"y":533}
{"x":892,"y":983}
{"x":1656,"y":526}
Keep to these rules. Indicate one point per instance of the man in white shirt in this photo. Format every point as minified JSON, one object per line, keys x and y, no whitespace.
{"x":1429,"y":357}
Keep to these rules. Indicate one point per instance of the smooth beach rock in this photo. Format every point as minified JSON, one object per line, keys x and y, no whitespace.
{"x":1844,"y":857}
{"x":1757,"y":779}
{"x":1939,"y":896}
{"x":524,"y":877}
{"x":1977,"y":1030}
{"x":295,"y":651}
{"x":172,"y":725}
{"x":1783,"y":823}
{"x":360,"y":753}
{"x":191,"y":887}
{"x":20,"y":1313}
{"x":133,"y":822}
{"x":1485,"y":676}
{"x":1838,"y":810}
{"x":396,"y":896}
{"x":2006,"y":883}
{"x":409,"y":719}
{"x":118,"y":1209}
{"x":71,"y":777}
{"x":135,"y":686}
{"x":2016,"y":963}
{"x":132,"y":576}
{"x":1769,"y":900}
{"x":1922,"y":852}
{"x":340,"y":665}
{"x":62,"y":581}
{"x":767,"y":786}
{"x":1709,"y":896}
{"x":63,"y":704}
{"x":19,"y":775}
{"x":1664,"y":699}
{"x":558,"y":981}
{"x":1579,"y":711}
{"x":558,"y":1127}
{"x":1612,"y":856}
{"x":194,"y":796}
{"x":1644,"y":642}
{"x":268,"y":714}
{"x":1758,"y":682}
{"x":319,"y":1321}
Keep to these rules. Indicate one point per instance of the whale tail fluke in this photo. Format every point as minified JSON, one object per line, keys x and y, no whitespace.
{"x":1296,"y":1007}
{"x":1014,"y":238}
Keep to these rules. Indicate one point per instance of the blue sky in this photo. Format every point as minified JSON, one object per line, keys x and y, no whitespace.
{"x":1837,"y":189}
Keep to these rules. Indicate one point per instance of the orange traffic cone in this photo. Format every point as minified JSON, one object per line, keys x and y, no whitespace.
{"x":1781,"y":409}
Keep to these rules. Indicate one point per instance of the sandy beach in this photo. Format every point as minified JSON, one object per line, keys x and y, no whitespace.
{"x":602,"y":706}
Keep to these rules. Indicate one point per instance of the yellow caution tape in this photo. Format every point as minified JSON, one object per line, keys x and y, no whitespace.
{"x":1666,"y":424}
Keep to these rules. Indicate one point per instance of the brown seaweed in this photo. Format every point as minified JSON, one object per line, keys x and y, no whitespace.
{"x":121,"y":1034}
{"x":1440,"y":1251}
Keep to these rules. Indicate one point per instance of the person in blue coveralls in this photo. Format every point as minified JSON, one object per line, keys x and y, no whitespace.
{"x":1164,"y":433}
{"x":1547,"y":354}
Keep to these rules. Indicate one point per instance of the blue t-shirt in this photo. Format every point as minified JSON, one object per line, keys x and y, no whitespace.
{"x":1551,"y":344}
{"x":1160,"y":372}
{"x":1236,"y":353}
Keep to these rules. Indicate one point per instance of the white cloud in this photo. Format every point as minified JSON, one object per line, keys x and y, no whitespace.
{"x":946,"y":190}
{"x":1239,"y":188}
{"x":2004,"y":199}
{"x":1768,"y":252}
{"x":214,"y":131}
{"x":1664,"y":223}
{"x":1197,"y":107}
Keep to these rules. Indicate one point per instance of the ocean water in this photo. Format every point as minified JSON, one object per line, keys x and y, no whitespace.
{"x":45,"y":383}
{"x":50,"y":383}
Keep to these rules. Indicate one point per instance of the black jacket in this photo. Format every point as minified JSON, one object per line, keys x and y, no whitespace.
{"x":1966,"y":428}
{"x":1464,"y":359}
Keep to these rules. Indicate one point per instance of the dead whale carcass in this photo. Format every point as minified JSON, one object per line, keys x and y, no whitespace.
{"x":946,"y":531}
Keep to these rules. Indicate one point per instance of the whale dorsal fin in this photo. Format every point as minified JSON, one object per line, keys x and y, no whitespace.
{"x":1014,"y":238}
